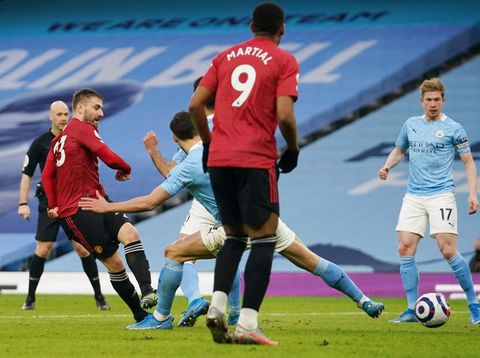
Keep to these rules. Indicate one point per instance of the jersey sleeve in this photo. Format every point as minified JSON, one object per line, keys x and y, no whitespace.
{"x":288,"y":79}
{"x":178,"y":178}
{"x":210,"y":80}
{"x":32,"y":158}
{"x":402,"y":139}
{"x":49,"y":175}
{"x":460,"y":140}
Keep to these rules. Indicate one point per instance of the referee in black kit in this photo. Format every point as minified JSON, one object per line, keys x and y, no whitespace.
{"x":47,"y":229}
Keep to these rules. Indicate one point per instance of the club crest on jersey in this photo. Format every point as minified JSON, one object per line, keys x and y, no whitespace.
{"x":98,"y":249}
{"x":439,"y":133}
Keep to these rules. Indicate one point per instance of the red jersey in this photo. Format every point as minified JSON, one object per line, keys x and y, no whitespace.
{"x":71,"y":171}
{"x":247,"y":79}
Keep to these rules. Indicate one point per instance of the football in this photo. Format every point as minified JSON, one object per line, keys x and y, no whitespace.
{"x":432,"y":310}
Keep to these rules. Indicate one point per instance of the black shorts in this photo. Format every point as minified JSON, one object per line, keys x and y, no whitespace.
{"x":245,"y":195}
{"x":96,"y":232}
{"x":47,"y":229}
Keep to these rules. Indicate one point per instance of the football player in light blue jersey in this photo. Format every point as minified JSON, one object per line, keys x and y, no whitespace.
{"x":206,"y":243}
{"x":198,"y":219}
{"x":432,"y":141}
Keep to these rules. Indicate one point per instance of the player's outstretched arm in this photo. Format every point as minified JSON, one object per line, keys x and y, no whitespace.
{"x":151,"y":146}
{"x":114,"y":161}
{"x":471,"y":171}
{"x":135,"y":205}
{"x":393,"y":159}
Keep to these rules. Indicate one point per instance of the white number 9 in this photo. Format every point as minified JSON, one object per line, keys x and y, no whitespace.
{"x":244,"y":87}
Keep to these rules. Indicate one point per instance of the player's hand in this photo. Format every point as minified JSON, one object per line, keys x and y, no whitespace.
{"x":121,"y":176}
{"x":150,"y":141}
{"x":24,"y":211}
{"x":472,"y":204}
{"x":206,"y":149}
{"x":383,"y":173}
{"x":53,"y":213}
{"x":288,"y":160}
{"x":98,"y":205}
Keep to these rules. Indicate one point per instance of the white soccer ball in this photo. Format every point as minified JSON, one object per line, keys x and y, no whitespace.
{"x":432,"y":310}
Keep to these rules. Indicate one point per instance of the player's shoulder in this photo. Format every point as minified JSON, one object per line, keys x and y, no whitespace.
{"x":451,"y":122}
{"x":414,"y":120}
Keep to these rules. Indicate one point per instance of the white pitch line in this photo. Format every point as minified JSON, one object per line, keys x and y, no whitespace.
{"x":279,"y":314}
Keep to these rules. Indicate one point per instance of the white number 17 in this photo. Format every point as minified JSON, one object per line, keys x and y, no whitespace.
{"x":244,"y":87}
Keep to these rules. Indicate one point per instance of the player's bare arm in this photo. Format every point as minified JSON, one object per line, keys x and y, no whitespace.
{"x":151,"y":146}
{"x":288,"y":127}
{"x":287,"y":122}
{"x":135,"y":205}
{"x":471,"y":171}
{"x":393,"y":159}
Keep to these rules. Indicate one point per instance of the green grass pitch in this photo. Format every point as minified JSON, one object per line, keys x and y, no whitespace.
{"x":70,"y":326}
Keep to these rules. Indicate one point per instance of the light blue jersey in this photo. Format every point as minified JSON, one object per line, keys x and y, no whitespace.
{"x":179,"y":156}
{"x":189,"y":174}
{"x":431,"y":147}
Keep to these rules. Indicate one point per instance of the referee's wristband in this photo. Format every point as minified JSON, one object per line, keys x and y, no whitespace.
{"x":22,"y":204}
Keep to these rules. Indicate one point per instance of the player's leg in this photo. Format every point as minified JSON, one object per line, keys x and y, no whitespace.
{"x":330,"y":273}
{"x":190,"y":248}
{"x":137,"y":261}
{"x":89,"y":230}
{"x":47,"y":230}
{"x":198,"y":219}
{"x":442,"y":210}
{"x":225,"y":187}
{"x":37,"y":264}
{"x":412,"y":222}
{"x":233,"y":300}
{"x":259,"y":210}
{"x":91,"y":270}
{"x":122,"y":285}
{"x":448,"y":246}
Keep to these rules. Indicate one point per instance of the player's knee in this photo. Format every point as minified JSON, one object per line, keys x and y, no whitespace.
{"x":405,"y":250}
{"x":43,"y":249}
{"x":448,"y":252}
{"x":128,"y":234}
{"x":173,"y":252}
{"x":113,"y":263}
{"x":169,"y":252}
{"x":80,"y":250}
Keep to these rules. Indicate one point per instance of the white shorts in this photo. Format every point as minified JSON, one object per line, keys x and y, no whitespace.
{"x":198,"y":219}
{"x":440,"y":210}
{"x":214,"y":238}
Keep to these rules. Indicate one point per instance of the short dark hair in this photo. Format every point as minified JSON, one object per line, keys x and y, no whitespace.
{"x":267,"y":17}
{"x":210,"y":104}
{"x":82,"y":94}
{"x":182,"y":126}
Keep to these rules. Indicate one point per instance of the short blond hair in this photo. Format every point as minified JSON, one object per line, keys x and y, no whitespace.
{"x":432,"y":85}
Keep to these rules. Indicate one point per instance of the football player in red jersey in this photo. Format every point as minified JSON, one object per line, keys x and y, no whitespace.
{"x":255,"y":85}
{"x":71,"y":172}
